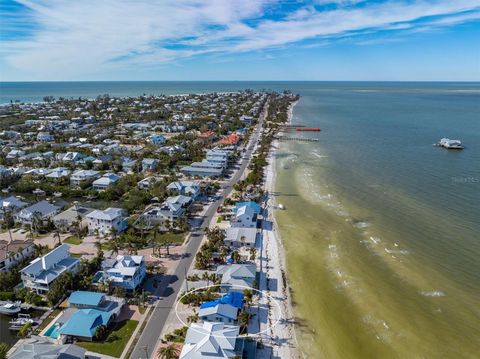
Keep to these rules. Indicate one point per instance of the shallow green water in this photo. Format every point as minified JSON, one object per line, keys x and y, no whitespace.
{"x":381,"y":228}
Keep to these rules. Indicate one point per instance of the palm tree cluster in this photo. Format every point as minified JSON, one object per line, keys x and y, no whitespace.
{"x":214,"y":244}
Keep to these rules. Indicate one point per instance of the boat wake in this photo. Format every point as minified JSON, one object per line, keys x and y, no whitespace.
{"x":434,"y":293}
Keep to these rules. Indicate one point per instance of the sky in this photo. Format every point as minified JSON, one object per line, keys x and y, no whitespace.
{"x":398,"y":40}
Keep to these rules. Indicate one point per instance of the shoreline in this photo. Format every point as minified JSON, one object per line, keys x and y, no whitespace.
{"x":277,"y":253}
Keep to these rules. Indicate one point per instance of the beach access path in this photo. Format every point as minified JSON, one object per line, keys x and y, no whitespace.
{"x":171,"y":285}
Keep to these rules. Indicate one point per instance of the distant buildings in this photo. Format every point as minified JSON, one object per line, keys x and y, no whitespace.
{"x":82,"y":176}
{"x":42,"y":272}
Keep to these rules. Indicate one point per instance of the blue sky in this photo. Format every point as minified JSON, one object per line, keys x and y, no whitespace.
{"x":239,"y":40}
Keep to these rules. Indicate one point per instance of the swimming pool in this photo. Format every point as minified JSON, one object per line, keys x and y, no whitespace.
{"x":52,"y":332}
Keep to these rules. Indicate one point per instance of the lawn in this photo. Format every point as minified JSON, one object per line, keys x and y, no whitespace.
{"x":73,"y":240}
{"x":116,"y":341}
{"x":173,"y":238}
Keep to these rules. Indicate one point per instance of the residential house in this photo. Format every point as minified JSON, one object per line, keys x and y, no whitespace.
{"x":14,"y":252}
{"x":203,"y":169}
{"x":58,"y":173}
{"x":45,"y":137}
{"x":236,"y":277}
{"x":42,"y":272}
{"x":210,"y":340}
{"x":43,"y":210}
{"x":13,"y":154}
{"x":43,"y":348}
{"x":11,"y":205}
{"x":83,"y":176}
{"x":217,"y":156}
{"x":72,"y":157}
{"x":104,"y":222}
{"x":150,"y":164}
{"x":246,"y":216}
{"x":186,"y":188}
{"x":241,"y":236}
{"x":147,"y":182}
{"x":156,"y":140}
{"x":224,"y":309}
{"x":105,"y":181}
{"x":126,"y":271}
{"x":68,"y":220}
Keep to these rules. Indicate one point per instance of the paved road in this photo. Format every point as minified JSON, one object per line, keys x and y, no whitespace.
{"x":171,"y":285}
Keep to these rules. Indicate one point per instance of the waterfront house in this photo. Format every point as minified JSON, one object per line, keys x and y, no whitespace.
{"x":241,"y":236}
{"x":218,"y":156}
{"x":203,"y":169}
{"x":43,"y":210}
{"x":83,"y":176}
{"x":42,"y":272}
{"x":83,"y":324}
{"x":14,"y":252}
{"x":245,"y":216}
{"x":104,"y":222}
{"x":72,"y":217}
{"x":126,"y":271}
{"x":224,"y":309}
{"x":236,"y":277}
{"x":105,"y":181}
{"x":212,"y":340}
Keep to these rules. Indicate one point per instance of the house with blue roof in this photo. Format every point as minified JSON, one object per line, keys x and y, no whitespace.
{"x":251,"y":204}
{"x":84,"y":299}
{"x":224,"y":309}
{"x":84,"y":323}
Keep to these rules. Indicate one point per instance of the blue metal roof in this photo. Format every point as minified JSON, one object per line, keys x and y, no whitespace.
{"x":233,"y":298}
{"x":84,"y":323}
{"x":253,"y":205}
{"x":85,"y":298}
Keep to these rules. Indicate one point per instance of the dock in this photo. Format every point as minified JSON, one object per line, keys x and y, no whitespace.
{"x":302,"y":139}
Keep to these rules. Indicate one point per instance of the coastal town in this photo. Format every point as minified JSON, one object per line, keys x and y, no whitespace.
{"x":143,"y":227}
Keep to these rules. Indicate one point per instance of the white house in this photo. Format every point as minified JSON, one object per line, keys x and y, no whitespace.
{"x":245,"y":216}
{"x":58,"y":173}
{"x":11,"y":204}
{"x":105,"y":181}
{"x":80,"y":176}
{"x":127,"y":272}
{"x":43,"y":271}
{"x":150,"y":164}
{"x":236,"y":277}
{"x":44,"y":210}
{"x":103,"y":222}
{"x":212,"y":340}
{"x":13,"y":252}
{"x":186,"y":188}
{"x":240,"y":236}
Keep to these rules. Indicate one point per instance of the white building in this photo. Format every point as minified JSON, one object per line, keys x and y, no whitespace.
{"x":103,"y":222}
{"x":127,"y":272}
{"x":105,"y":181}
{"x":45,"y":137}
{"x":212,"y":340}
{"x":43,"y":271}
{"x":13,"y":252}
{"x":246,"y":216}
{"x":43,"y":210}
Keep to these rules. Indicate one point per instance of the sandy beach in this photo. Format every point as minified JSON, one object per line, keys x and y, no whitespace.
{"x":279,"y":332}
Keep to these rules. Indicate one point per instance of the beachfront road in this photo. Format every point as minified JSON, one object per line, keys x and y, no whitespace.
{"x":170,"y":286}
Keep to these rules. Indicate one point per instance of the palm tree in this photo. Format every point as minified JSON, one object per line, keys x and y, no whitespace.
{"x":253,"y":253}
{"x":243,"y":319}
{"x":168,"y":352}
{"x":56,"y":235}
{"x":206,"y":276}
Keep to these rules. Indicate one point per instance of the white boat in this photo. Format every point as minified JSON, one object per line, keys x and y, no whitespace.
{"x":8,"y":308}
{"x":450,"y":144}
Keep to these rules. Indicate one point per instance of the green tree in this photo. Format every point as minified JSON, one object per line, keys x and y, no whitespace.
{"x":4,"y":347}
{"x":168,"y":352}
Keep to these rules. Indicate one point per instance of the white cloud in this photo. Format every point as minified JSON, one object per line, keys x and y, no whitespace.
{"x":75,"y":38}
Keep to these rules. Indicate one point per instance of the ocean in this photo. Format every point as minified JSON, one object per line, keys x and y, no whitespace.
{"x":381,"y":228}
